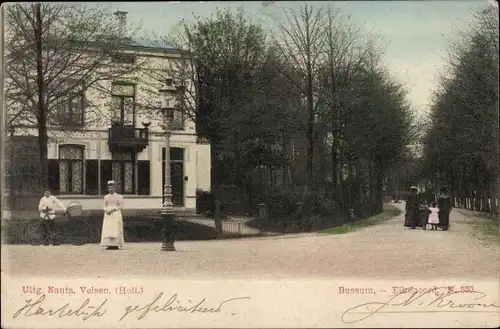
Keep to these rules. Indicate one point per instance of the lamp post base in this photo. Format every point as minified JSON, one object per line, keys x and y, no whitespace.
{"x":167,"y":216}
{"x":168,"y":237}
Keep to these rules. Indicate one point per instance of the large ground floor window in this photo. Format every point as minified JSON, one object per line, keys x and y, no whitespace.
{"x":72,"y":174}
{"x":71,"y":169}
{"x":120,"y":169}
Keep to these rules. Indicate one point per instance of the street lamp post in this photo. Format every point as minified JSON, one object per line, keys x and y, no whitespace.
{"x":168,"y":99}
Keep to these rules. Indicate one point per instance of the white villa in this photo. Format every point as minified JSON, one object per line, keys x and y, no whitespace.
{"x":130,"y":151}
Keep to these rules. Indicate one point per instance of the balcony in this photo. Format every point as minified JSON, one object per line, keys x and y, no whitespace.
{"x":127,"y":138}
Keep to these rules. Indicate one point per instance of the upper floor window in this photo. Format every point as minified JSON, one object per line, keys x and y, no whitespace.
{"x":178,"y":120}
{"x":122,"y":58}
{"x":69,"y":109}
{"x":175,"y":118}
{"x":123,"y":98}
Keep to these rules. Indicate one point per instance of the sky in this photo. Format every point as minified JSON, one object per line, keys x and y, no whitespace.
{"x":414,"y":32}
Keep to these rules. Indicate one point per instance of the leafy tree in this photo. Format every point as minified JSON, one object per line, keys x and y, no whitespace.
{"x":220,"y":73}
{"x":462,"y":143}
{"x":381,"y":126}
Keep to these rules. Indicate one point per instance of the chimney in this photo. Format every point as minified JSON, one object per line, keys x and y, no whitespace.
{"x":122,"y":22}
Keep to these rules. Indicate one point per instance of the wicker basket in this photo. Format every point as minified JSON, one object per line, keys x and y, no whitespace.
{"x":74,"y":209}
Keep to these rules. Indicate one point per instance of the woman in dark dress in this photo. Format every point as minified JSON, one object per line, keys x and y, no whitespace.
{"x":444,"y":204}
{"x":412,"y":213}
{"x":423,"y":212}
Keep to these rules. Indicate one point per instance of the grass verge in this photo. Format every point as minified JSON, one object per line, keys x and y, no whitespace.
{"x":388,"y":213}
{"x":487,"y":228}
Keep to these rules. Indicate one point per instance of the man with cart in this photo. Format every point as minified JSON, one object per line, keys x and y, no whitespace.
{"x":47,"y":207}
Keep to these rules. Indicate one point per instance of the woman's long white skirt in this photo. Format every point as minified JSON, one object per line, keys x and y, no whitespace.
{"x":112,"y":230}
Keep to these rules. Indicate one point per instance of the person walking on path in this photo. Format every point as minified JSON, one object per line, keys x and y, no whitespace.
{"x":423,"y":212}
{"x":444,"y":205}
{"x":112,"y":224}
{"x":47,"y":207}
{"x":434,"y":216}
{"x":411,"y":208}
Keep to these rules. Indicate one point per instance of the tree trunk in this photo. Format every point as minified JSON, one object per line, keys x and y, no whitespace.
{"x":42,"y":116}
{"x":214,"y":183}
{"x":379,"y":176}
{"x":360,"y":192}
{"x":496,"y":176}
{"x":310,"y":150}
{"x":214,"y":187}
{"x":370,"y":190}
{"x":492,"y":195}
{"x":320,"y":160}
{"x":284,"y":174}
{"x":463,"y":191}
{"x":334,"y":163}
{"x":310,"y":127}
{"x":350,"y":179}
{"x":340,"y":196}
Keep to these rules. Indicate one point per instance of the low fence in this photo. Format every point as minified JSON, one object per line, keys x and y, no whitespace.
{"x":481,"y":205}
{"x":149,"y":228}
{"x":238,"y":228}
{"x":279,"y":226}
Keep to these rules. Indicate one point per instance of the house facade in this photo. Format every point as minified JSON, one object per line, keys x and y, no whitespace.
{"x":122,"y":139}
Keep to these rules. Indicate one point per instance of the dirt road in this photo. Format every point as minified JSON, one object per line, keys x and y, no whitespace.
{"x":385,"y":251}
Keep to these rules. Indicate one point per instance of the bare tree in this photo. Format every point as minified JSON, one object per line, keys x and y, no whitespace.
{"x":347,"y":54}
{"x":302,"y":44}
{"x":55,"y":54}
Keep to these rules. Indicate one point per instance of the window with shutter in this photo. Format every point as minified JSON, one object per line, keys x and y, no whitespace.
{"x":106,"y":175}
{"x":143,"y":170}
{"x":91,"y":177}
{"x":53,"y":178}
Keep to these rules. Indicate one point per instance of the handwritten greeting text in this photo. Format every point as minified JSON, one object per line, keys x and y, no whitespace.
{"x":85,"y":310}
{"x":89,"y":308}
{"x":175,"y":305}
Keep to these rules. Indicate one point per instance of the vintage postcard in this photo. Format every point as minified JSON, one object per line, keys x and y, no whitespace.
{"x":250,"y":164}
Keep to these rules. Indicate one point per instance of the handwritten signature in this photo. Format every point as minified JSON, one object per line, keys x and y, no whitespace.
{"x":173,"y":304}
{"x":85,"y":311}
{"x":440,"y":298}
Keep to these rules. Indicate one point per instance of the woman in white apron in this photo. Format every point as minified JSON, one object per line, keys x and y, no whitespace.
{"x":112,"y":224}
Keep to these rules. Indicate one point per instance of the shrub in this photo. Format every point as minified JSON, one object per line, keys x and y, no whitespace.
{"x":282,"y":204}
{"x":136,"y":229}
{"x":318,"y":204}
{"x":204,"y":202}
{"x":327,"y":206}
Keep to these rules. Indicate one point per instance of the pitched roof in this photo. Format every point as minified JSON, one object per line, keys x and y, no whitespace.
{"x":151,"y":44}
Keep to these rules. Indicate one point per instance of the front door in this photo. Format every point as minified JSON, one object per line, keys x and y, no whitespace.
{"x":177,"y":181}
{"x":176,"y":174}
